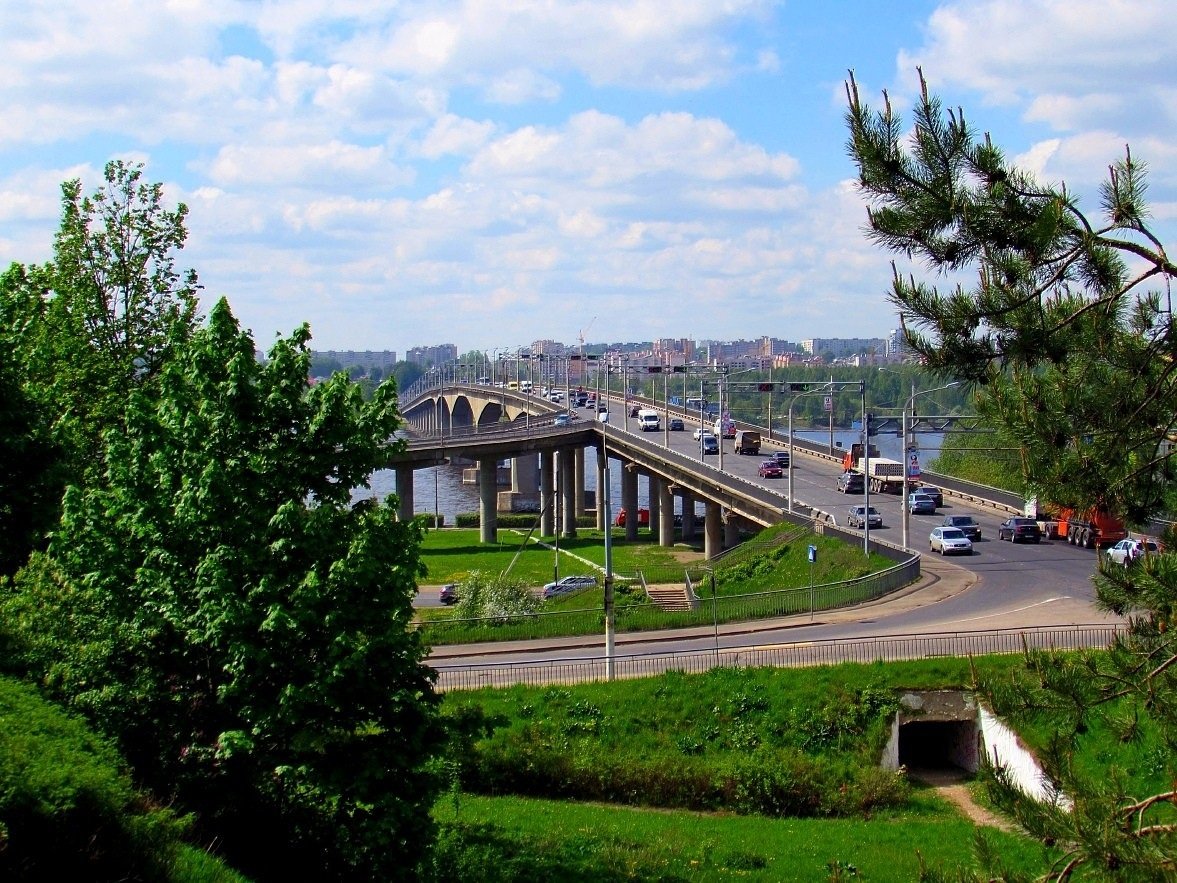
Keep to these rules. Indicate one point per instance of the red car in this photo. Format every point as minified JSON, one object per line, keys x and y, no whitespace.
{"x":771,"y":469}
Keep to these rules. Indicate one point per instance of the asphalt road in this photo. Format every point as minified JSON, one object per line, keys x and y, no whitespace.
{"x":1000,"y":586}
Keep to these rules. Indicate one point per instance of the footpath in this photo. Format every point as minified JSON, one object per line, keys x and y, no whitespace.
{"x":938,"y":580}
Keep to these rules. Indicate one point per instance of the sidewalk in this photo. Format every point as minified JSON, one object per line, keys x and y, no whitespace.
{"x":938,"y":580}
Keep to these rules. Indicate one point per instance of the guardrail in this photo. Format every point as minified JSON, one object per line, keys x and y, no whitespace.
{"x":586,"y":669}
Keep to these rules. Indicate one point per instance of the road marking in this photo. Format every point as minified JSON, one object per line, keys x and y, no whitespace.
{"x":1016,"y":609}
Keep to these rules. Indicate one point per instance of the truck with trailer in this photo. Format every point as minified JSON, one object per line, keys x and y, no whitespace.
{"x":1092,"y":528}
{"x":725,"y":427}
{"x":747,"y":442}
{"x":884,"y":475}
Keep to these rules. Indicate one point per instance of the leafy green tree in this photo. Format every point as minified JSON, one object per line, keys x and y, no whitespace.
{"x":220,"y":608}
{"x":1072,"y":351}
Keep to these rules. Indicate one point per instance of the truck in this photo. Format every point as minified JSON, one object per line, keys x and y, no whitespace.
{"x":1092,"y":528}
{"x":648,"y":420}
{"x":725,"y":427}
{"x":884,"y":476}
{"x":747,"y":442}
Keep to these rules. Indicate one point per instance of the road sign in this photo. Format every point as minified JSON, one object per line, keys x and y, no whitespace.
{"x":913,"y":465}
{"x":829,"y":403}
{"x":812,"y":554}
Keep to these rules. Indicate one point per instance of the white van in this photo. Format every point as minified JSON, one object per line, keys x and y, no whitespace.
{"x":648,"y":420}
{"x":525,"y":386}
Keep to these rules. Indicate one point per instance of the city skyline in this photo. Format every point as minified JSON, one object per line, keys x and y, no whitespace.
{"x":498,"y":173}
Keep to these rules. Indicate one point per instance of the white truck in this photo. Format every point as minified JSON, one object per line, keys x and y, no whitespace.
{"x":885,"y":476}
{"x":648,"y":420}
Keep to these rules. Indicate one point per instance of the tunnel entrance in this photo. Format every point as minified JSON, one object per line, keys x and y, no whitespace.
{"x":935,"y":733}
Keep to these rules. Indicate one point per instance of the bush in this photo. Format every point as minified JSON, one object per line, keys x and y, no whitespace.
{"x":67,"y":811}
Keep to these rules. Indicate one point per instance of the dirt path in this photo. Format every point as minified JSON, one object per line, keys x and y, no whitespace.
{"x":953,"y":787}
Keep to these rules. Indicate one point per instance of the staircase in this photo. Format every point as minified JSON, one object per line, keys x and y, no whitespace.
{"x":669,"y":596}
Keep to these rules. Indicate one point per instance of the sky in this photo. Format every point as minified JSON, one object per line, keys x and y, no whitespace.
{"x":489,"y":173}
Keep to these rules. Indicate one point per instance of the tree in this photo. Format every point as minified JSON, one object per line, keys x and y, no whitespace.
{"x":1073,"y":355}
{"x":221,"y":609}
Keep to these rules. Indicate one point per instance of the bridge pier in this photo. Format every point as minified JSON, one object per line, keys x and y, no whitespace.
{"x":600,"y":494}
{"x":568,"y":491}
{"x":731,"y":531}
{"x":404,"y":491}
{"x":688,"y":515}
{"x":652,"y":494}
{"x":712,"y":531}
{"x":629,"y":499}
{"x":488,"y":516}
{"x":578,"y":480}
{"x":547,"y":500}
{"x":666,"y":513}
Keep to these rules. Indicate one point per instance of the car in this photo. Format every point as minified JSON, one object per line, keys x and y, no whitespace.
{"x":966,"y":523}
{"x":782,"y":457}
{"x":860,"y":516}
{"x":1129,"y":550}
{"x":1020,"y":530}
{"x":949,"y":541}
{"x":934,"y":492}
{"x":921,"y":504}
{"x":602,"y":408}
{"x":770,"y":469}
{"x":562,"y":420}
{"x":633,"y":411}
{"x":643,"y":517}
{"x":448,"y":594}
{"x":675,"y":424}
{"x":568,"y":584}
{"x":710,"y":444}
{"x":700,"y":432}
{"x":850,"y":483}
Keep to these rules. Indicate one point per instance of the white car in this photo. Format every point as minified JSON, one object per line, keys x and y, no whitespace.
{"x":859,"y":516}
{"x":568,"y":584}
{"x":950,"y":541}
{"x":1127,"y":551}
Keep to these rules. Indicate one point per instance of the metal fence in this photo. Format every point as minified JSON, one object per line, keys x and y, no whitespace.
{"x":634,"y":612}
{"x":466,"y":676}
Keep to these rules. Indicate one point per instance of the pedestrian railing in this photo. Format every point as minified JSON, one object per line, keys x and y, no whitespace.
{"x":891,"y":648}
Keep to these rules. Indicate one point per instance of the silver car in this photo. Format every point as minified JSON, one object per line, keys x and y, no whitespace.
{"x":950,"y":541}
{"x":859,"y":516}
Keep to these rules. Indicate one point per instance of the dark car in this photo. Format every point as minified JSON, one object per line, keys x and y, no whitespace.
{"x":1020,"y":530}
{"x":710,"y":444}
{"x":850,"y":483}
{"x":633,"y":412}
{"x":676,"y":425}
{"x":782,"y":457}
{"x":966,"y":523}
{"x":771,"y":469}
{"x":448,"y":594}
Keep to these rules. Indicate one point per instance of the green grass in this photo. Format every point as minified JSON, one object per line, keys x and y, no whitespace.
{"x":511,"y":838}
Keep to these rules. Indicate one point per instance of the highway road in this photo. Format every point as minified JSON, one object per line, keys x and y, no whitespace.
{"x":1000,"y":586}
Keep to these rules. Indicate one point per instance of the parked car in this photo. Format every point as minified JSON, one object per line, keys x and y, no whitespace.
{"x":562,"y":420}
{"x":921,"y":504}
{"x":782,"y":457}
{"x":859,"y":516}
{"x":1020,"y":530}
{"x":770,"y":469}
{"x":850,"y":483}
{"x":1127,"y":551}
{"x":568,"y":584}
{"x":949,"y":541}
{"x":675,"y":424}
{"x":448,"y":594}
{"x":966,"y":523}
{"x":934,"y":492}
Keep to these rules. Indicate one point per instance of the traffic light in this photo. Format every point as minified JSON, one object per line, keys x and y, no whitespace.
{"x":765,"y":387}
{"x":871,"y":429}
{"x":798,"y":387}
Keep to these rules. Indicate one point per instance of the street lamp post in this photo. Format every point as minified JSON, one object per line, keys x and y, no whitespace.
{"x":793,"y":401}
{"x":910,"y":409}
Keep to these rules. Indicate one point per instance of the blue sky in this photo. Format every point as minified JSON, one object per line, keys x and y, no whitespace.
{"x":493,"y":173}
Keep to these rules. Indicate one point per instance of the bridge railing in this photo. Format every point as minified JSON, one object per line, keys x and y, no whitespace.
{"x":452,"y":675}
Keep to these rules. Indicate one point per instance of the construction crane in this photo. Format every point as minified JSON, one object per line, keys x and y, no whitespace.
{"x":584,"y":331}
